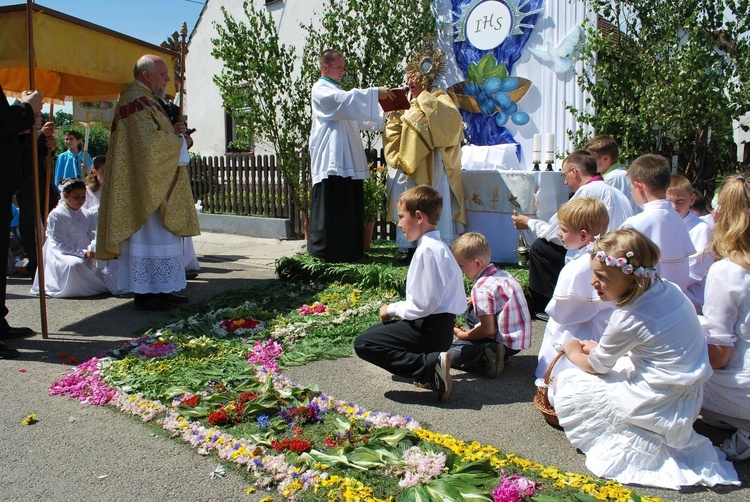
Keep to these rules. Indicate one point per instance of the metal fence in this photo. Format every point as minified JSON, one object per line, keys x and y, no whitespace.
{"x":251,"y":185}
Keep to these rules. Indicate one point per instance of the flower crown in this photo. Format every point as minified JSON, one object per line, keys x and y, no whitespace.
{"x":66,"y":182}
{"x":623,"y":263}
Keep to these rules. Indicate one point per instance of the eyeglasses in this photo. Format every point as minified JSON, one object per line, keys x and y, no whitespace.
{"x":565,"y":174}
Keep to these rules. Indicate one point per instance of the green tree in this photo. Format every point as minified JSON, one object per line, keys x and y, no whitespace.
{"x":264,"y":93}
{"x":675,"y":74}
{"x":375,"y":36}
{"x":266,"y":87}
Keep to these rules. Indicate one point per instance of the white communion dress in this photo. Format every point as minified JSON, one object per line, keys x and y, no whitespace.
{"x":67,"y":273}
{"x":634,"y":420}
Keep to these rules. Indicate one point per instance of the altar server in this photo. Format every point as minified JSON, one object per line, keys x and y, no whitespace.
{"x":337,"y":161}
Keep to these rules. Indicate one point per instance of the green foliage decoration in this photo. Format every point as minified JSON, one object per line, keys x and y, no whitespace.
{"x":265,"y":92}
{"x":674,"y":71}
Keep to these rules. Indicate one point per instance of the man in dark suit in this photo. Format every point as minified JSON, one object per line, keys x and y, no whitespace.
{"x":14,"y":119}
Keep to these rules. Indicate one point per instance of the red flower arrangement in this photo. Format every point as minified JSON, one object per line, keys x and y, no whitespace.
{"x":240,"y":323}
{"x":246,"y":397}
{"x":295,"y":445}
{"x":190,"y":402}
{"x":229,"y":414}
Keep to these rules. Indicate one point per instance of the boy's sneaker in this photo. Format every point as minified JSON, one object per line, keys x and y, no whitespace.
{"x":442,"y":380}
{"x":495,"y":354}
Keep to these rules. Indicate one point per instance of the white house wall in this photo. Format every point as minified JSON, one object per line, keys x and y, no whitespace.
{"x":545,"y":102}
{"x":203,"y":104}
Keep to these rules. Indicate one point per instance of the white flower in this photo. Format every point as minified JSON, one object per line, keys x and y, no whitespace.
{"x":219,"y":472}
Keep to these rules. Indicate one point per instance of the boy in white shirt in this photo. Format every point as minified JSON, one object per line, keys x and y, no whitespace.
{"x":417,"y":346}
{"x":606,"y":152}
{"x":682,"y":196}
{"x":576,"y":310}
{"x":650,"y":176}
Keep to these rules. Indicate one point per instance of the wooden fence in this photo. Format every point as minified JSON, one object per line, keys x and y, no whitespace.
{"x":251,"y":185}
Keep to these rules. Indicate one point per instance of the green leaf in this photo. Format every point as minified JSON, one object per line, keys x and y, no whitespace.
{"x":418,"y":493}
{"x":539,"y":497}
{"x":442,"y":490}
{"x":585,"y":497}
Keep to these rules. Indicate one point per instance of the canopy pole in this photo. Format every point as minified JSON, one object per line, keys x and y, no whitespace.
{"x":35,"y":177}
{"x":48,"y":171}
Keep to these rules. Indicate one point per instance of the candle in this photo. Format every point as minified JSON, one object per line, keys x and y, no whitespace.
{"x":537,"y":157}
{"x":550,"y":148}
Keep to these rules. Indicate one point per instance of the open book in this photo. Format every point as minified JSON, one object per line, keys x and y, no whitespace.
{"x":400,"y":102}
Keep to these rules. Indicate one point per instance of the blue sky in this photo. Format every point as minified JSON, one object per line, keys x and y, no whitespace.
{"x":149,"y":20}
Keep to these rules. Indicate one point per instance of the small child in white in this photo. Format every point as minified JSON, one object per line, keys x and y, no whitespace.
{"x":69,"y":258}
{"x":497,"y":313}
{"x":630,"y":402}
{"x":682,"y":196}
{"x":575,"y":311}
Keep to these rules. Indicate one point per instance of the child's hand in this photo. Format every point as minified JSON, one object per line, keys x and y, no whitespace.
{"x":587,"y":345}
{"x":384,"y":315}
{"x":572,"y":347}
{"x":461,"y":334}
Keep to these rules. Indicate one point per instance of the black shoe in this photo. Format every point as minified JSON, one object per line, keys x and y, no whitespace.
{"x":152,"y":302}
{"x":8,"y":352}
{"x":174,"y":299}
{"x":541,"y":316}
{"x":191,"y":275}
{"x":9,"y":333}
{"x":442,"y":381}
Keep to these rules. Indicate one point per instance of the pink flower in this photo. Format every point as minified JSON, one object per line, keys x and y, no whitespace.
{"x":315,"y":308}
{"x":266,"y":354}
{"x":514,"y":488}
{"x":621,"y":261}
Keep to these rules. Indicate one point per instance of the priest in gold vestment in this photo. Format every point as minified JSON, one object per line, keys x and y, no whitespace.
{"x":423,"y":145}
{"x":146,"y":205}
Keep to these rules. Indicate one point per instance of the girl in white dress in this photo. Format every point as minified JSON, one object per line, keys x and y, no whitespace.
{"x":726,"y":318}
{"x":69,"y":259}
{"x":94,"y":182}
{"x":630,"y":403}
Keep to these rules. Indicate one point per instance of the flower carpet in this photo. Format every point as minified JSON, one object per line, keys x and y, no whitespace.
{"x":215,"y":381}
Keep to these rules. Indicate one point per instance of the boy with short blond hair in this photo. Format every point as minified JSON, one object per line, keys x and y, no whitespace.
{"x":682,"y":196}
{"x":417,"y":346}
{"x":575,"y":310}
{"x":650,"y":177}
{"x":606,"y":152}
{"x":497,"y":315}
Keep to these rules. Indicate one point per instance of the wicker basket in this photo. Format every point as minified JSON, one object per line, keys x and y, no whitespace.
{"x":541,"y":401}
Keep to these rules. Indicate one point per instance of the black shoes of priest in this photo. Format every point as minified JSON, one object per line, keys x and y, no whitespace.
{"x":8,"y":352}
{"x":9,"y":332}
{"x":159,"y":302}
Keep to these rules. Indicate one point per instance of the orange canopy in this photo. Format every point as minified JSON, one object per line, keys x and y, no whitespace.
{"x":74,"y":59}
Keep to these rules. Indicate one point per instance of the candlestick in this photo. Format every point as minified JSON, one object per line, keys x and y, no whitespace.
{"x":550,"y":148}
{"x":537,"y":150}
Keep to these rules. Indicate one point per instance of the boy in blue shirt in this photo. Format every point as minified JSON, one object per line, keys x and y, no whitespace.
{"x":417,"y":346}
